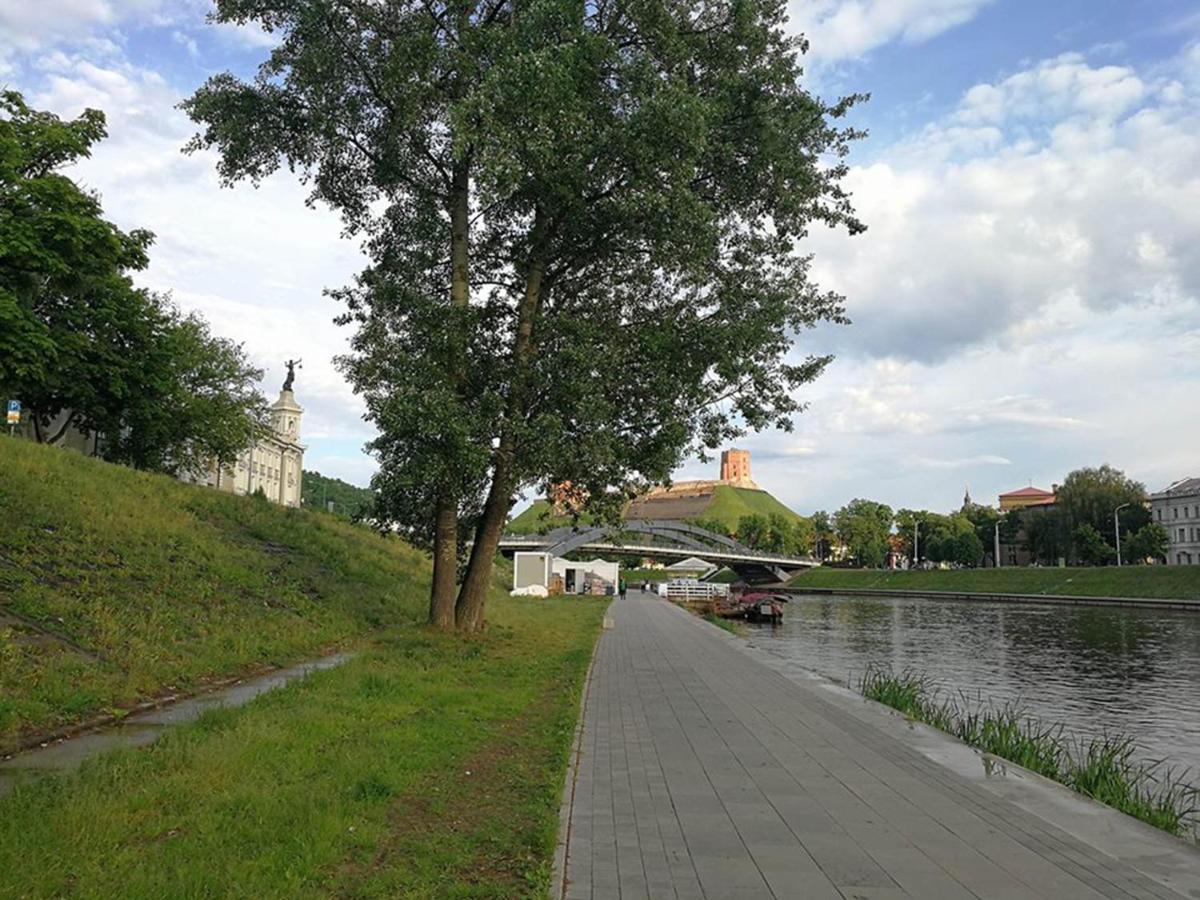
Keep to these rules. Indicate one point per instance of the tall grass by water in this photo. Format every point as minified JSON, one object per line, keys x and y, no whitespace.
{"x":1105,"y":767}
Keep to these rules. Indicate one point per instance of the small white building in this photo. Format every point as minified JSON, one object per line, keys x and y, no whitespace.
{"x":274,"y":463}
{"x":1177,"y":509}
{"x":538,"y":569}
{"x":691,"y":566}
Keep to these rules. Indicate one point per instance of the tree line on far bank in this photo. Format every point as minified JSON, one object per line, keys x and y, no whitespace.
{"x":81,"y":347}
{"x":1078,"y":528}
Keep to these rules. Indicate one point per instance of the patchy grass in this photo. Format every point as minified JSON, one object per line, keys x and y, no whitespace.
{"x":1105,"y":768}
{"x":428,"y":766}
{"x":116,"y":585}
{"x":724,"y":624}
{"x":1165,"y":582}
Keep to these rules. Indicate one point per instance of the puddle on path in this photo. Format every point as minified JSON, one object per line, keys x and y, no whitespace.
{"x":143,"y":728}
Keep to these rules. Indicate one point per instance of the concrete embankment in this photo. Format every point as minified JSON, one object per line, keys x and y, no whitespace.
{"x":1068,"y":599}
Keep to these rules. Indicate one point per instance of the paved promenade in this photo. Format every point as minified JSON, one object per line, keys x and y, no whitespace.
{"x":705,"y":773}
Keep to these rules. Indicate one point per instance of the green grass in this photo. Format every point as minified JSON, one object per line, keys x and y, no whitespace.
{"x":1167,"y":582}
{"x":141,"y":584}
{"x":1105,"y":768}
{"x":730,"y":503}
{"x":723,"y":624}
{"x":428,"y":766}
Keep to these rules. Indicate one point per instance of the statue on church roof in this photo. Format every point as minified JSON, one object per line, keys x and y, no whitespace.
{"x":292,"y":365}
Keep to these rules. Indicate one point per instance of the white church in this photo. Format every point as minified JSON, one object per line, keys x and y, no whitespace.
{"x":274,"y":463}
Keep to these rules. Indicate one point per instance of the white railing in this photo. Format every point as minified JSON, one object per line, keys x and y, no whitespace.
{"x":691,"y":589}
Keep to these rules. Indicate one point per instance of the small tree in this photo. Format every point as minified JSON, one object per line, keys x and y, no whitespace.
{"x":1151,"y":541}
{"x":1091,"y":546}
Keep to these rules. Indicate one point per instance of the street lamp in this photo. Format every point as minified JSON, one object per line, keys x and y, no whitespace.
{"x":1117,"y":529}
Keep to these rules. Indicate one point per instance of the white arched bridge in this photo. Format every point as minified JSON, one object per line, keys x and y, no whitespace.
{"x":664,"y":540}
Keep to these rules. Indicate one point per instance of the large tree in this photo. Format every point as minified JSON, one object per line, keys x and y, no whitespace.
{"x":637,"y":177}
{"x":1091,"y":496}
{"x":80,"y":345}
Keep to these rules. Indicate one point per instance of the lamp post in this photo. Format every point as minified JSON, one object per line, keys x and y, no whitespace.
{"x":916,"y":538}
{"x":1117,"y":529}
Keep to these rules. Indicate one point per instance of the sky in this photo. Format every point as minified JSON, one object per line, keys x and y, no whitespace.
{"x":1025,"y":301}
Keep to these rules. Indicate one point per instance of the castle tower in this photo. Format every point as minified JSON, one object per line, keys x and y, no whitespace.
{"x":735,"y":468}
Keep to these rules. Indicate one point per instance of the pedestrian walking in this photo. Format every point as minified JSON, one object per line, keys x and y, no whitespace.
{"x":624,"y":588}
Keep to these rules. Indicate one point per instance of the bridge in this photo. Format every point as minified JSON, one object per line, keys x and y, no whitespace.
{"x":664,"y":540}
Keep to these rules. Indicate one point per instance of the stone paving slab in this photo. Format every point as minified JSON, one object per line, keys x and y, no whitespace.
{"x":703,"y":773}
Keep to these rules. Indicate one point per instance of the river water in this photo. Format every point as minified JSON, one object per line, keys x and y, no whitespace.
{"x":1092,"y":668}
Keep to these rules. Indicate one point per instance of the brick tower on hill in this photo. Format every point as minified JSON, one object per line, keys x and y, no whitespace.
{"x":735,"y":468}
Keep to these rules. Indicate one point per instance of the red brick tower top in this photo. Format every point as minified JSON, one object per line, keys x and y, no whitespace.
{"x":735,"y":467}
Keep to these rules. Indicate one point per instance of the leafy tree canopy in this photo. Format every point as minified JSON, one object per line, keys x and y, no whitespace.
{"x":863,"y":526}
{"x":80,"y":346}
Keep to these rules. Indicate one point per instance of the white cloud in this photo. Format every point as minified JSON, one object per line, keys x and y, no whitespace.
{"x":849,"y":29}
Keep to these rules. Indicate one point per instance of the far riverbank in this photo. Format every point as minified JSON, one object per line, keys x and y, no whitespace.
{"x":1128,"y":582}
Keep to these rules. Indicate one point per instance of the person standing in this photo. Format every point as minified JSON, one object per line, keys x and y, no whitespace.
{"x":624,"y":588}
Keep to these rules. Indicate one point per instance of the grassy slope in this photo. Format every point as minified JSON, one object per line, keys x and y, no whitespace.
{"x":730,"y":503}
{"x":1170,"y":582}
{"x":427,"y":766}
{"x":159,"y":584}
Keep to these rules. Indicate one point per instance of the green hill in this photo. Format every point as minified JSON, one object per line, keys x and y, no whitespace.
{"x":317,"y":491}
{"x":725,"y":504}
{"x":116,"y":585}
{"x":730,"y":503}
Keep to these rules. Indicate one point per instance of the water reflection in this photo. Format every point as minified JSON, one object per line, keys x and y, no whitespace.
{"x":1094,"y":669}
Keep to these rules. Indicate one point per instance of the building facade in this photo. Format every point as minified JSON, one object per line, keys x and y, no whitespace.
{"x":1177,"y":509}
{"x":274,"y":463}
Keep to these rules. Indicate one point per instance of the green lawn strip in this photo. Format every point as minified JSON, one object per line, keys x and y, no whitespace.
{"x":350,"y":782}
{"x":1166,"y":582}
{"x":165,"y":586}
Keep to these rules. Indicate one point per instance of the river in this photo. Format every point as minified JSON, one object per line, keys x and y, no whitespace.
{"x":1091,"y":668}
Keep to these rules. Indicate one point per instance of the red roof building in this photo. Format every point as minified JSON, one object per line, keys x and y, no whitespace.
{"x":1026,"y":497}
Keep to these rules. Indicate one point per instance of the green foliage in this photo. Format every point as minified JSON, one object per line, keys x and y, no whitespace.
{"x":1091,"y":547}
{"x":1090,"y":496}
{"x":1104,"y":767}
{"x":349,"y":501}
{"x":427,"y":766}
{"x":80,"y":346}
{"x":863,"y":527}
{"x":555,"y":204}
{"x":1151,"y":542}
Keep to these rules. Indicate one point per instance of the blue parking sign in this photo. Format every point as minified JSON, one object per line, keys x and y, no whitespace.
{"x":14,"y":412}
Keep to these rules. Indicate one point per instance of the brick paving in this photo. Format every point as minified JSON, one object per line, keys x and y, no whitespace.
{"x":705,"y":774}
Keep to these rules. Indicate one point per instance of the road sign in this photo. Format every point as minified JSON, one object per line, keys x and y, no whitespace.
{"x":14,"y":412}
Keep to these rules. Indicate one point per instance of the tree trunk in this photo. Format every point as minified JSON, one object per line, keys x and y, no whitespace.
{"x":445,"y":537}
{"x":469,"y":610}
{"x":445,"y":565}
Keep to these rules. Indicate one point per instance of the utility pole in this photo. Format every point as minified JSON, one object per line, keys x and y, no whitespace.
{"x":1117,"y":530}
{"x":996,"y":545}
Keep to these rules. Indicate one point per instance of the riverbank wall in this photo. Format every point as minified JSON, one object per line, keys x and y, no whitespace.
{"x":1065,"y":599}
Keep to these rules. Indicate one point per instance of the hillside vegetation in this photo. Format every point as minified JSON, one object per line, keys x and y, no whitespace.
{"x":1166,"y":582}
{"x":116,"y":585}
{"x":726,"y":505}
{"x":317,"y":491}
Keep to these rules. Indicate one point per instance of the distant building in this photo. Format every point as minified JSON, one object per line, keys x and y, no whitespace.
{"x":274,"y":463}
{"x":692,"y":566}
{"x":1177,"y":509}
{"x":735,"y":468}
{"x":1027,"y":497}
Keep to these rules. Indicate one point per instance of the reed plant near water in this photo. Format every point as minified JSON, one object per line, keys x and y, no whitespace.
{"x":1105,"y":767}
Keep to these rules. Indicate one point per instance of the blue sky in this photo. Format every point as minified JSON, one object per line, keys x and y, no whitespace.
{"x":1025,"y":301}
